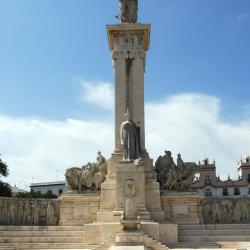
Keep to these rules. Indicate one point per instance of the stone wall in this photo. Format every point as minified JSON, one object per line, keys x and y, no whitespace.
{"x":20,"y":211}
{"x":226,"y":210}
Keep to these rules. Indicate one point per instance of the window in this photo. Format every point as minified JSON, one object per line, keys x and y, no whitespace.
{"x":249,"y":191}
{"x":208,"y":192}
{"x":247,"y":160}
{"x":208,"y":181}
{"x":248,"y":178}
{"x":225,"y":191}
{"x":236,"y":191}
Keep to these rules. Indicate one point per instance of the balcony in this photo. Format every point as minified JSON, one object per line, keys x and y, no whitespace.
{"x":208,"y":182}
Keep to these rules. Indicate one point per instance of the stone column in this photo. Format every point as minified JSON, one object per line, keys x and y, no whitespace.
{"x":119,"y":63}
{"x":137,"y":88}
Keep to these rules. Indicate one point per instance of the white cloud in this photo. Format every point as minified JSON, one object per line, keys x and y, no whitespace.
{"x":185,"y":123}
{"x":242,"y":16}
{"x":38,"y":148}
{"x":100,"y":94}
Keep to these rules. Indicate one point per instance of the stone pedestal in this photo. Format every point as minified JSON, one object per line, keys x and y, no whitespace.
{"x":78,"y":209}
{"x":181,"y":207}
{"x":130,"y":191}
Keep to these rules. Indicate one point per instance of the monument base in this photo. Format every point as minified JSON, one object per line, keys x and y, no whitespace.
{"x":182,"y":207}
{"x":78,"y":209}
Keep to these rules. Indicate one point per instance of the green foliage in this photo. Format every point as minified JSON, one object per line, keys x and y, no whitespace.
{"x":5,"y":189}
{"x":37,"y":195}
{"x":3,"y":169}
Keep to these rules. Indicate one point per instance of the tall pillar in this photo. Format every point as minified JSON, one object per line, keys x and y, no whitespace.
{"x":129,"y":43}
{"x":119,"y":64}
{"x":137,"y":75}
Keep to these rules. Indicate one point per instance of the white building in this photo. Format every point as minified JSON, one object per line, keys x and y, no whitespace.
{"x":56,"y":187}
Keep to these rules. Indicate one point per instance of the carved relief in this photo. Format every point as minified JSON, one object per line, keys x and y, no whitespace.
{"x":38,"y":212}
{"x":130,"y":192}
{"x":226,"y":210}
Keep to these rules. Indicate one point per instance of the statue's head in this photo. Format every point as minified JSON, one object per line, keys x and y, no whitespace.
{"x":128,"y":116}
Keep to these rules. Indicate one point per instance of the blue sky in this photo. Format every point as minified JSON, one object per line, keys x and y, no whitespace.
{"x":52,"y":51}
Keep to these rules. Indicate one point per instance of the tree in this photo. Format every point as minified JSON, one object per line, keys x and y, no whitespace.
{"x":5,"y":189}
{"x":3,"y":169}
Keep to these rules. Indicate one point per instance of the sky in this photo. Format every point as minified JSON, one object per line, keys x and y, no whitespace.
{"x":57,"y":84}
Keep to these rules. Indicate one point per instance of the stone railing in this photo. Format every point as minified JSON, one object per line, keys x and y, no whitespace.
{"x":226,"y":210}
{"x":19,"y":211}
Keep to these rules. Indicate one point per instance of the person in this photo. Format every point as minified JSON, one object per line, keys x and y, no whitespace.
{"x":130,"y":139}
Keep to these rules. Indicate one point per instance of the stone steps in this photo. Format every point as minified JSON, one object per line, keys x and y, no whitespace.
{"x":41,"y":228}
{"x":209,"y":245}
{"x":44,"y":246}
{"x":37,"y":233}
{"x":41,"y":240}
{"x":211,"y":232}
{"x":213,"y":236}
{"x":42,"y":237}
{"x":154,"y":244}
{"x":215,"y":227}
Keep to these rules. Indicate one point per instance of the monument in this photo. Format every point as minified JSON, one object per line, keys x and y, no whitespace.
{"x":130,"y":202}
{"x":126,"y":202}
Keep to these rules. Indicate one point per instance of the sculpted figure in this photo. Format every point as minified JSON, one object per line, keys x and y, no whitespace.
{"x":237,"y":213}
{"x":207,"y":212}
{"x":175,"y":177}
{"x":216,"y":212}
{"x":180,"y":163}
{"x":244,"y":209}
{"x":88,"y":176}
{"x":128,"y":11}
{"x":130,"y":139}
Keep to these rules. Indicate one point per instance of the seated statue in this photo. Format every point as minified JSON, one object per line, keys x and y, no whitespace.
{"x":88,"y":176}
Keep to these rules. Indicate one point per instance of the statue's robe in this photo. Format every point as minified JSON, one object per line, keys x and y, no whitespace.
{"x":130,"y":140}
{"x":128,"y":11}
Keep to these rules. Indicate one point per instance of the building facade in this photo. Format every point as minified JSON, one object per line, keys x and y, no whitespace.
{"x":56,"y":187}
{"x":209,"y":184}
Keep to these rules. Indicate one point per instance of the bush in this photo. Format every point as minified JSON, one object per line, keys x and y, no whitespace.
{"x":5,"y":189}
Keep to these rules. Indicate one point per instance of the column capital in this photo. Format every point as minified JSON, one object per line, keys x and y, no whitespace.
{"x":138,"y":54}
{"x":119,"y":54}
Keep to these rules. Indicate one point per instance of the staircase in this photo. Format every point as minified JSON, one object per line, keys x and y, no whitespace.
{"x":214,"y":236}
{"x":154,"y":244}
{"x":42,"y":237}
{"x":148,"y":242}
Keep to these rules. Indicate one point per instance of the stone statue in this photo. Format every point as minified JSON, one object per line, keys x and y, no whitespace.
{"x":128,"y":11}
{"x":88,"y":176}
{"x":130,"y":139}
{"x":178,"y":177}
